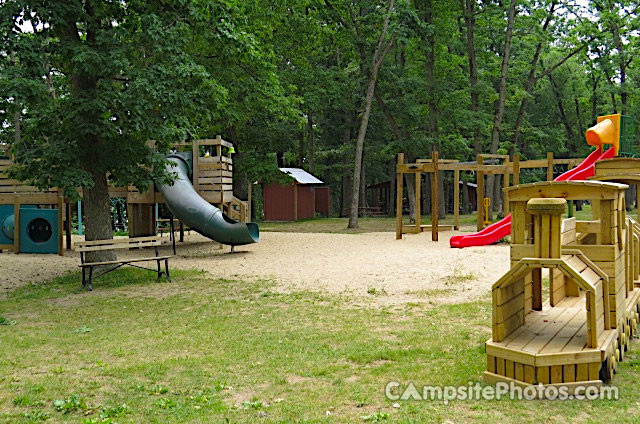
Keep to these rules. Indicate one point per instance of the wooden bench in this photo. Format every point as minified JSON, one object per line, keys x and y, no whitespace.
{"x":120,"y":244}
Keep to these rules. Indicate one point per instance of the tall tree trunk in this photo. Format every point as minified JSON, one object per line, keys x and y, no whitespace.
{"x":97,"y":209}
{"x":502,"y":94}
{"x":301,"y":148}
{"x":310,"y":148}
{"x":578,"y":114}
{"x":531,"y":80}
{"x":346,"y":177}
{"x":469,"y":14}
{"x":466,"y":205}
{"x":561,"y":111}
{"x":379,"y":54}
{"x":594,"y":100}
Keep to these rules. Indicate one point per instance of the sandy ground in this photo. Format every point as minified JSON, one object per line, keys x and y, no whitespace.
{"x":414,"y":269}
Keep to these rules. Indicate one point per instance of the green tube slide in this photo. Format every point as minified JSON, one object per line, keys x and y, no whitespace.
{"x":195,"y":212}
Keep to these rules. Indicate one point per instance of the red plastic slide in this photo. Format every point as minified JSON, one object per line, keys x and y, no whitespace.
{"x":498,"y":230}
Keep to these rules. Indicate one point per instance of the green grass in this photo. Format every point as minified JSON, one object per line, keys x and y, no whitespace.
{"x":205,"y":350}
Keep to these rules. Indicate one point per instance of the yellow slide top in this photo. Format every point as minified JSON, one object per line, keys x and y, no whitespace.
{"x":606,"y":131}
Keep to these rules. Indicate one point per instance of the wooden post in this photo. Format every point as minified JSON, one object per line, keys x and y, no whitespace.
{"x":418,"y":211}
{"x":638,"y":200}
{"x":399,"y":197}
{"x":549,"y":166}
{"x":480,"y":194}
{"x":60,"y":225}
{"x":435,"y":209}
{"x":547,"y":218}
{"x":516,"y":169}
{"x":295,"y":201}
{"x":505,"y":184}
{"x":249,"y":210}
{"x":195,"y":159}
{"x":456,"y":199}
{"x":16,"y":224}
{"x":67,"y":208}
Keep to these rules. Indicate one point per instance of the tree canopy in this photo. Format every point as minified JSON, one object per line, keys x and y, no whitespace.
{"x":337,"y":87}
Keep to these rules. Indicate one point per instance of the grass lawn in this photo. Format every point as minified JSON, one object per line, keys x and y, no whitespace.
{"x":205,"y":350}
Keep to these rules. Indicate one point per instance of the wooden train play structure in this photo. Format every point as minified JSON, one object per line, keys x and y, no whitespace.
{"x":35,"y":221}
{"x":582,"y":328}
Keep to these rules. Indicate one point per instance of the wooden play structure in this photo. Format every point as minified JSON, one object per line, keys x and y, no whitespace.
{"x":578,"y":334}
{"x":510,"y":170}
{"x":18,"y":194}
{"x":212,"y":179}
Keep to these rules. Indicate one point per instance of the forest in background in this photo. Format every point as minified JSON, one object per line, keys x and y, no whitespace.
{"x":336,"y":87}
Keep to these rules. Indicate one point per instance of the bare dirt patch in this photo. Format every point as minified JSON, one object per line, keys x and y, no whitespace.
{"x":371,"y":265}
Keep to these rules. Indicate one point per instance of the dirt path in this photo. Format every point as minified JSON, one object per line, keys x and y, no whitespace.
{"x":412,"y":270}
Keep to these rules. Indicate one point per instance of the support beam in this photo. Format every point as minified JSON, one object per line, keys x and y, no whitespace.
{"x":16,"y":224}
{"x":68,"y":226}
{"x":480,"y":195}
{"x":249,"y":196}
{"x":60,"y":225}
{"x":399,"y":184}
{"x":549,"y":166}
{"x":435,"y":201}
{"x":418,"y":211}
{"x":516,"y":169}
{"x":456,"y":199}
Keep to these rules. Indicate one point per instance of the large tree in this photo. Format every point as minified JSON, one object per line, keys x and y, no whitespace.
{"x":92,"y":82}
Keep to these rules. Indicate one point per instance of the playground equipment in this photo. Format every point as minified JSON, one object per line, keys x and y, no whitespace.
{"x":205,"y":179}
{"x":614,"y":130}
{"x":582,"y":331}
{"x":187,"y":205}
{"x":28,"y":224}
{"x":432,"y":167}
{"x":578,"y":336}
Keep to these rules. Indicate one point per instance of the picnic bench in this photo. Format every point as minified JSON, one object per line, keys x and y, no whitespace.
{"x":120,"y":244}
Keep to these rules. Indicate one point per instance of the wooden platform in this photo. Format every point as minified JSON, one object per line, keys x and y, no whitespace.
{"x":551,"y":347}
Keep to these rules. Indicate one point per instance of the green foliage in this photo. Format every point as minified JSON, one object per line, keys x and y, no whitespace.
{"x":71,"y":404}
{"x":5,"y":321}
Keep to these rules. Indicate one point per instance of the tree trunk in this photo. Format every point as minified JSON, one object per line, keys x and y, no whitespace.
{"x":502,"y":94}
{"x":411,"y":190}
{"x":301,"y":148}
{"x":531,"y":80}
{"x":578,"y":114}
{"x":502,"y":88}
{"x":561,"y":111}
{"x":312,"y":161}
{"x":379,"y":54}
{"x":97,"y":209}
{"x":466,"y":205}
{"x":594,"y":101}
{"x":469,"y":13}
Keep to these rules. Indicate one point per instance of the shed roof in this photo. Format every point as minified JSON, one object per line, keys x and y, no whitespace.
{"x":301,"y":176}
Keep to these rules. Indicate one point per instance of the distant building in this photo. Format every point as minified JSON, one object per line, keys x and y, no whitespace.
{"x":301,"y":199}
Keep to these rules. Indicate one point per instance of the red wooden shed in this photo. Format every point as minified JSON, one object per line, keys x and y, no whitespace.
{"x":297,"y":200}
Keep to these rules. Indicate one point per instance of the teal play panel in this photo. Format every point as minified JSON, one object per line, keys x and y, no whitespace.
{"x":6,"y":224}
{"x":38,"y":230}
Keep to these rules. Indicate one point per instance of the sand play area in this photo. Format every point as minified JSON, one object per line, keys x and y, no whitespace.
{"x":414,"y":269}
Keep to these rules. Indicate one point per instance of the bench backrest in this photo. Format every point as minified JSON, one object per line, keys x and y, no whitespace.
{"x":121,"y":243}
